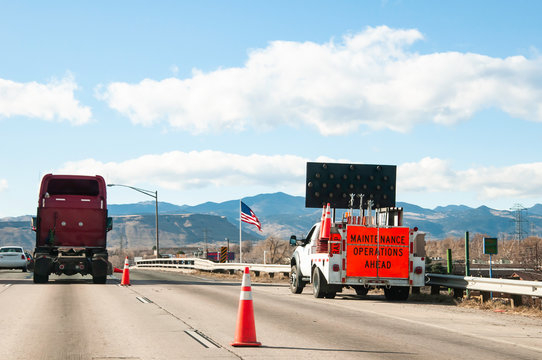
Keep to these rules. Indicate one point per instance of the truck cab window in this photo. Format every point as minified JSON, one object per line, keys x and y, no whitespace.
{"x":313,"y":234}
{"x":73,"y":187}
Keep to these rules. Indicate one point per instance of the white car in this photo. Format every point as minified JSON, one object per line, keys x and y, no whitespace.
{"x":13,"y":257}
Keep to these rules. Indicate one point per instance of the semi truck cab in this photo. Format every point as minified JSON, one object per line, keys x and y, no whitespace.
{"x":71,"y":228}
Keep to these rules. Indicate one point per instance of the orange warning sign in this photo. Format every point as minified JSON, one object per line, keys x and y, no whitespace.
{"x":377,"y":252}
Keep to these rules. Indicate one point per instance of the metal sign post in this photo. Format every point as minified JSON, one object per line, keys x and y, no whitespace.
{"x":490,"y":248}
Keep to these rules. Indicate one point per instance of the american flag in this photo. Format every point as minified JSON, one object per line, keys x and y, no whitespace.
{"x":248,"y":216}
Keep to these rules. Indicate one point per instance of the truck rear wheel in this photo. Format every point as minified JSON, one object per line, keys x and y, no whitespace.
{"x":99,"y":279}
{"x":319,"y":284}
{"x":296,"y":284}
{"x":40,"y":279}
{"x":396,"y":293}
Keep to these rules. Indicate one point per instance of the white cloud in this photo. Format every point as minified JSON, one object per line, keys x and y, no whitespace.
{"x":371,"y":79}
{"x":3,"y":184}
{"x":215,"y":169}
{"x":181,"y":170}
{"x":488,"y":183}
{"x":429,"y":174}
{"x":52,"y":101}
{"x":174,"y":70}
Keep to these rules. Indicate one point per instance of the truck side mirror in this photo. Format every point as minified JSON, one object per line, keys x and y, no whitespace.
{"x":293,"y":240}
{"x":34,"y":223}
{"x":109,"y":225}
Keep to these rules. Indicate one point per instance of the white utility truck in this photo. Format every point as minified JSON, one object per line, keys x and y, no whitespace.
{"x":357,"y":251}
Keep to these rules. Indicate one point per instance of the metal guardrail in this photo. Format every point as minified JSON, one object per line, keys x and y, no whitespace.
{"x":507,"y":286}
{"x":207,"y":265}
{"x":516,"y":287}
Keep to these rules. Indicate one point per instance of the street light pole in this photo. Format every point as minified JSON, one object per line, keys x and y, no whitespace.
{"x":153,"y":194}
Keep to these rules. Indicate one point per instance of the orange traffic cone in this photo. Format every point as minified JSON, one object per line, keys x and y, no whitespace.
{"x":117,"y":270}
{"x":326,"y":226}
{"x":126,"y":273}
{"x":245,"y":334}
{"x":322,"y":221}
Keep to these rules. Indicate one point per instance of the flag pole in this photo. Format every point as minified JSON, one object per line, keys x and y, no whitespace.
{"x":240,"y":232}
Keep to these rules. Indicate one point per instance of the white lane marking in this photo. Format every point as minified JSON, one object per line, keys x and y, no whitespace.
{"x":202,"y":339}
{"x":144,"y":300}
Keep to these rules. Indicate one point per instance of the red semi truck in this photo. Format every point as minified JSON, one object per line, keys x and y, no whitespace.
{"x":71,"y":228}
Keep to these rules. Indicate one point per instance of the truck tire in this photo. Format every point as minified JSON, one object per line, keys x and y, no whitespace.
{"x":40,"y":279}
{"x":296,"y":284}
{"x":361,"y":290}
{"x":396,"y":293}
{"x":25,"y":269}
{"x":319,"y":284}
{"x":99,"y":279}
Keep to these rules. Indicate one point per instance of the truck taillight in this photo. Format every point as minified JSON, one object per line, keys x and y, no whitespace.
{"x":23,"y":257}
{"x":336,"y":267}
{"x":418,"y":270}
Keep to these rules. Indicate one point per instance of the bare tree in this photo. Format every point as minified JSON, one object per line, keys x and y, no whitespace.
{"x":277,"y":250}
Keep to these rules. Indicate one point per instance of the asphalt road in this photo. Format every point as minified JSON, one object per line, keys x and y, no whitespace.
{"x":161,"y":313}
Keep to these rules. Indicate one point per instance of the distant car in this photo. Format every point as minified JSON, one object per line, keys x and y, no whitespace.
{"x":13,"y":257}
{"x":29,"y":261}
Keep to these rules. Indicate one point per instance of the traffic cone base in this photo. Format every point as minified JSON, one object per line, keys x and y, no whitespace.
{"x":245,"y":333}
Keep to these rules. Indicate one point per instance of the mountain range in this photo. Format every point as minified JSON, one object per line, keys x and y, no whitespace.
{"x":280,"y":214}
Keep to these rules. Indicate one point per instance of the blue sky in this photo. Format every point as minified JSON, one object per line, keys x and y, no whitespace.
{"x":215,"y":100}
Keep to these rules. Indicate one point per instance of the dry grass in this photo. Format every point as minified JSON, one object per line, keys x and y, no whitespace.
{"x":500,"y":305}
{"x":433,"y":299}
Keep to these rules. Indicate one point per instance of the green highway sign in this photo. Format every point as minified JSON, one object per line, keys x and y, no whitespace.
{"x":490,"y":246}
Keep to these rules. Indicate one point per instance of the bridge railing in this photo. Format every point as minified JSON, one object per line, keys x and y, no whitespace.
{"x":507,"y":286}
{"x":207,"y":265}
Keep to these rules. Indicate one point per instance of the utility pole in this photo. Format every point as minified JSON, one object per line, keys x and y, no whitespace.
{"x":467,"y":255}
{"x":205,"y":239}
{"x":228,"y":259}
{"x":520,"y":219}
{"x":536,"y":254}
{"x":122,"y":238}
